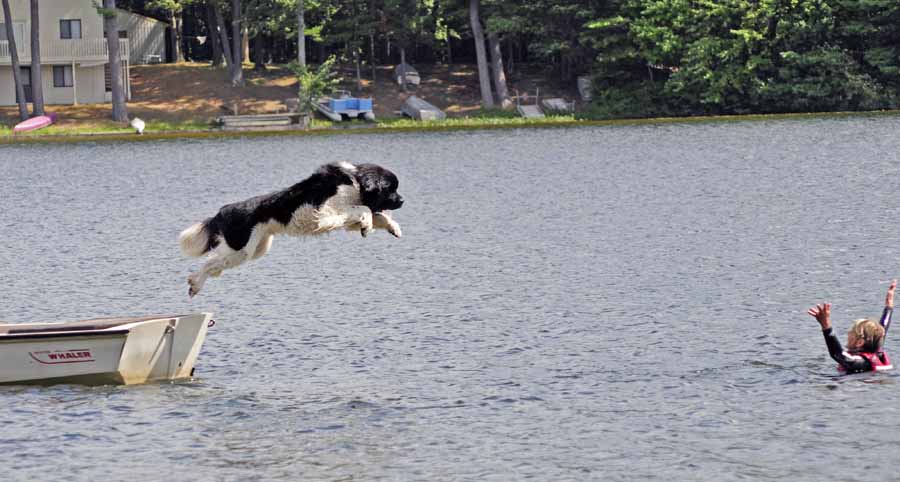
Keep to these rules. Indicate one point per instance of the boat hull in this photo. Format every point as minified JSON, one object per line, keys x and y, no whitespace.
{"x":138,"y":350}
{"x":35,"y":123}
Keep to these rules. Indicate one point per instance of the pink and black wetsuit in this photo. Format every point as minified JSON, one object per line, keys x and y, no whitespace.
{"x":859,"y":361}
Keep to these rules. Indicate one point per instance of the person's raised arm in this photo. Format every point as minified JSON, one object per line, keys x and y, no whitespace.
{"x":822,"y":314}
{"x":888,"y":306}
{"x":851,"y":363}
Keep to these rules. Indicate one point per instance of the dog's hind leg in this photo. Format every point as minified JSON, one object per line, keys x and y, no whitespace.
{"x":263,"y":247}
{"x":196,"y":280}
{"x":214,"y":266}
{"x":226,"y":258}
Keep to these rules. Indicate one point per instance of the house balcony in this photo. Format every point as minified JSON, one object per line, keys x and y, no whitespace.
{"x":93,"y":51}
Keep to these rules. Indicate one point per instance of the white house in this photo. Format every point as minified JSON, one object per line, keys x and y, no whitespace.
{"x":74,"y":55}
{"x":146,"y":37}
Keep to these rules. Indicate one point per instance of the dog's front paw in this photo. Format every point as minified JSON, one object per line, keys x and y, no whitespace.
{"x":394,"y":229}
{"x":365,"y":224}
{"x":383,"y":220}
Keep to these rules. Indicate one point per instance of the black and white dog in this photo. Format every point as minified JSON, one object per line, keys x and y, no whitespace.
{"x":336,"y":196}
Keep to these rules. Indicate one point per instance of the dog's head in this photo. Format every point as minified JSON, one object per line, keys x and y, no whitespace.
{"x":378,"y":188}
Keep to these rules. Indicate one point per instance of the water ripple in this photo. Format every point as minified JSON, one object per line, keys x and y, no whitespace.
{"x":571,"y":304}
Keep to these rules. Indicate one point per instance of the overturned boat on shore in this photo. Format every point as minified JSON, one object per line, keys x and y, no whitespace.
{"x":102,"y":351}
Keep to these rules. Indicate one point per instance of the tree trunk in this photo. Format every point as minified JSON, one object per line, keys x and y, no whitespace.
{"x":358,"y":72}
{"x":237,"y":60}
{"x":372,"y":41}
{"x":440,"y":10}
{"x":403,"y":68}
{"x":14,"y":60}
{"x":449,"y":51}
{"x":301,"y":33}
{"x":177,"y":52}
{"x":226,"y":45}
{"x":372,"y":56}
{"x":37,"y":83}
{"x":497,"y":74}
{"x":245,"y":43}
{"x":119,"y":110}
{"x":259,"y":45}
{"x":484,"y":79}
{"x":213,"y":33}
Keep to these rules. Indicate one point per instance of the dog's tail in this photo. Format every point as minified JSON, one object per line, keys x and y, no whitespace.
{"x":194,"y":241}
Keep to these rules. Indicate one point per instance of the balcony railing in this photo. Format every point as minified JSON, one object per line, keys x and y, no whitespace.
{"x":80,"y":50}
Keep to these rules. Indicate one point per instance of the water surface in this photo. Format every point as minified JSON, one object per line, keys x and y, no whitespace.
{"x":609,"y":303}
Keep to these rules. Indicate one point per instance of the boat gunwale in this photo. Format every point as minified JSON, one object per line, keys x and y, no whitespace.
{"x":8,"y":337}
{"x":93,"y":324}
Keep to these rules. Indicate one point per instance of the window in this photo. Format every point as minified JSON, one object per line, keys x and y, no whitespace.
{"x":62,"y":76}
{"x":18,"y":31}
{"x":70,"y":29}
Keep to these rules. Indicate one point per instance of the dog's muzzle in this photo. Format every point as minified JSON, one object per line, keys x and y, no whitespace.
{"x":395,"y":202}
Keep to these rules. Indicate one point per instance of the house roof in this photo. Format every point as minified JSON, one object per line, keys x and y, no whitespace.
{"x":129,"y":12}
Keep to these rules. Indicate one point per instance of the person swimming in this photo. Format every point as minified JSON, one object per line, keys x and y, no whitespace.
{"x":865,"y":340}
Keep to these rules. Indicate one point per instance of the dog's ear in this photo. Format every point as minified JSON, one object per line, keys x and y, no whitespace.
{"x":371,"y":181}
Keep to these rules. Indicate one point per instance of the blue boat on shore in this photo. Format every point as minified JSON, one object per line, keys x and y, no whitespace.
{"x":342,"y":106}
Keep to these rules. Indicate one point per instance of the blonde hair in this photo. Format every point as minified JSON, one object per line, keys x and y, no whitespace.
{"x":870,"y":332}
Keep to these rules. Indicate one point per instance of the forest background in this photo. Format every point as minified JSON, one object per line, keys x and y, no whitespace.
{"x":645,"y":58}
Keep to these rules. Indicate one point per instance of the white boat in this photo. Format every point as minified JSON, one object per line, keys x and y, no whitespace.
{"x":405,"y":73}
{"x":102,"y":351}
{"x":419,"y":109}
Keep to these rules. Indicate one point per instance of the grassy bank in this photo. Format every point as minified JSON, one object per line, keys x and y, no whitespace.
{"x":99,"y":129}
{"x":172,"y":111}
{"x":483,"y":120}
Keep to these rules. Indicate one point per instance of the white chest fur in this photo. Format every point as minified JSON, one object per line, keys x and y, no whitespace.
{"x":332,"y":214}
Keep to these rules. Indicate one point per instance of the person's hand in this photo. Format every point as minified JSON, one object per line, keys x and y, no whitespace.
{"x":822,"y":313}
{"x":889,"y":301}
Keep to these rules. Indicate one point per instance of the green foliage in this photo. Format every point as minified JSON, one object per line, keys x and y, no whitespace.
{"x":104,"y":12}
{"x":744,"y":56}
{"x":314,"y":84}
{"x":645,"y":99}
{"x":647,"y":57}
{"x":494,"y":113}
{"x":171,"y":7}
{"x":482,"y":119}
{"x":824,"y":79}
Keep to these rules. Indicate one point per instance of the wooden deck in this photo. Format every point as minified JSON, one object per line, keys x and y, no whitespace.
{"x":261,"y":122}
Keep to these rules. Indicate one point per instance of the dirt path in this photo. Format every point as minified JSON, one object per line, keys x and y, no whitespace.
{"x":198,"y":92}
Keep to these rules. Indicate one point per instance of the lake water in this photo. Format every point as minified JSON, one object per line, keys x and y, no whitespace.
{"x":608,"y":303}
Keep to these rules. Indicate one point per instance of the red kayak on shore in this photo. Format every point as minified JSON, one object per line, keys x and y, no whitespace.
{"x":35,"y":123}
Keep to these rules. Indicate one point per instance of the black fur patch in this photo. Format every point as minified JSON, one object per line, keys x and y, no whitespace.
{"x":235,"y":222}
{"x":378,"y":188}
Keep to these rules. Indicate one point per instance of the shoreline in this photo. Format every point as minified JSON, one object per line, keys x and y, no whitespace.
{"x":450,"y":125}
